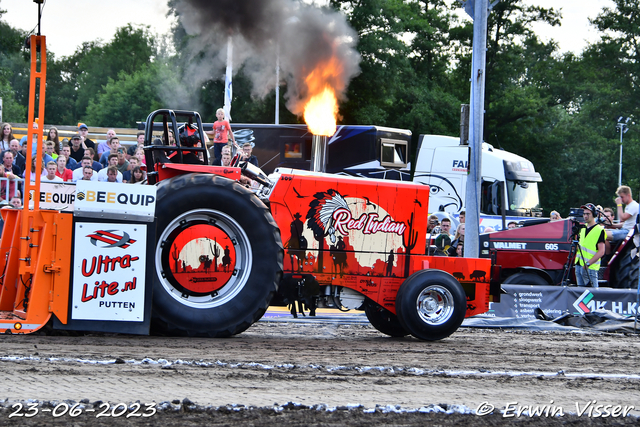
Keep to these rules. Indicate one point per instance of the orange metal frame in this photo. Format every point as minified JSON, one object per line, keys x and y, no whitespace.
{"x":35,"y":248}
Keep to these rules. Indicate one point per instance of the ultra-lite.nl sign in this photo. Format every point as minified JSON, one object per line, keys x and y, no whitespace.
{"x":109,"y":272}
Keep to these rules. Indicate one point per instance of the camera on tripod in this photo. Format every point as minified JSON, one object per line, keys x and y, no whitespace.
{"x":576,"y":213}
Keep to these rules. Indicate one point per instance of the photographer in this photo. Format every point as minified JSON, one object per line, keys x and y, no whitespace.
{"x":444,"y":239}
{"x":432,"y":224}
{"x":591,"y":248}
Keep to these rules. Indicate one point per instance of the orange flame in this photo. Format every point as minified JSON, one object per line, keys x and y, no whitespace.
{"x":321,"y":111}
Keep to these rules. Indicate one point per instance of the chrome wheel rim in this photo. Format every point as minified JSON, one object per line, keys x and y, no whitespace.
{"x":435,"y":305}
{"x":241,"y":268}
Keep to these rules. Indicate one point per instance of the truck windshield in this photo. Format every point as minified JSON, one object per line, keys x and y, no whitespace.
{"x":523,"y":196}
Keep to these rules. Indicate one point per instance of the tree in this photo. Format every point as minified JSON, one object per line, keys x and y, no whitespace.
{"x":60,"y":100}
{"x":12,"y":111}
{"x":74,"y":81}
{"x":526,"y":95}
{"x":14,"y":73}
{"x":385,"y":67}
{"x":130,"y":50}
{"x":616,"y":62}
{"x":128,"y":99}
{"x":406,"y":48}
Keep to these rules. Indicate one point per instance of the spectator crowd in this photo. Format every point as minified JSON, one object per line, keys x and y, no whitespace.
{"x":69,"y":160}
{"x":80,"y":158}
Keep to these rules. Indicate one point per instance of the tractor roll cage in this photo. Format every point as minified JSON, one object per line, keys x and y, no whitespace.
{"x":155,"y":153}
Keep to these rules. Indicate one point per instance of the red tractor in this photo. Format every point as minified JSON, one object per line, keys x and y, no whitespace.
{"x":542,"y":252}
{"x":198,"y":253}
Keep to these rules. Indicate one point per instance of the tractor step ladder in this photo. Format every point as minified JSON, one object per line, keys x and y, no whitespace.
{"x":35,"y":248}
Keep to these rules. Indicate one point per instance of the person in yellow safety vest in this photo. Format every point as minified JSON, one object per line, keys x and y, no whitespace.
{"x":590,"y":248}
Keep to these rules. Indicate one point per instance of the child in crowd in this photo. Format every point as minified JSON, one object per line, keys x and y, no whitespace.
{"x":221,"y":134}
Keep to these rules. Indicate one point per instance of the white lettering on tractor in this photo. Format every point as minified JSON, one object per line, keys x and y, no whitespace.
{"x":509,"y":245}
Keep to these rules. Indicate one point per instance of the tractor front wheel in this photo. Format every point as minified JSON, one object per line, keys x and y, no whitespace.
{"x":431,"y":305}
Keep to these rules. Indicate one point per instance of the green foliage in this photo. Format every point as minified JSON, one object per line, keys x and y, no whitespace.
{"x":616,"y":61}
{"x":126,"y":100}
{"x":406,"y":47}
{"x":93,"y":65}
{"x":14,"y":73}
{"x":12,"y":111}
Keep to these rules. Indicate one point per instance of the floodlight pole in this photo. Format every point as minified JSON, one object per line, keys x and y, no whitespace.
{"x":278,"y":86}
{"x":620,"y":168}
{"x":622,"y":128}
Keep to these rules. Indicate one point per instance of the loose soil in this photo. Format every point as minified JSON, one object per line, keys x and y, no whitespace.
{"x":322,"y":374}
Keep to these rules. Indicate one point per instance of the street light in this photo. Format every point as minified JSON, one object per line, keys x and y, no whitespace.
{"x":622,"y":127}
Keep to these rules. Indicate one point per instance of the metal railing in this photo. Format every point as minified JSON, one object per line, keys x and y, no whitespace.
{"x":10,"y":188}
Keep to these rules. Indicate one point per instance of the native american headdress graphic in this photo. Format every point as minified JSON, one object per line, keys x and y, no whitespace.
{"x":320,"y":216}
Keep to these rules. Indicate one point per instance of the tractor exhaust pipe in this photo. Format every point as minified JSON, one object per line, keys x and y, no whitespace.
{"x":318,"y":153}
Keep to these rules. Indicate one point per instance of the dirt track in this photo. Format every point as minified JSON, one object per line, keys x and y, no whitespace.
{"x":338,"y":366}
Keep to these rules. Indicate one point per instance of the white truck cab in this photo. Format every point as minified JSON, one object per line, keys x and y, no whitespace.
{"x":508,"y":180}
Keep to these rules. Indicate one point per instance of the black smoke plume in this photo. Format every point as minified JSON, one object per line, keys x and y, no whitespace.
{"x":303,"y":36}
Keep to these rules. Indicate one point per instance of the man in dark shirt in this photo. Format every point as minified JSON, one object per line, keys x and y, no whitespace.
{"x":97,"y":166}
{"x":131,"y":151}
{"x":7,"y":161}
{"x":77,"y":152}
{"x":247,"y":156}
{"x":18,"y":158}
{"x":83,"y":130}
{"x":189,"y":138}
{"x":66,"y":152}
{"x":189,"y":157}
{"x":8,"y":170}
{"x":133,"y":162}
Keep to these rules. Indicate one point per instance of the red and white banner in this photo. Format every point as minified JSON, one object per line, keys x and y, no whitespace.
{"x":109,"y":272}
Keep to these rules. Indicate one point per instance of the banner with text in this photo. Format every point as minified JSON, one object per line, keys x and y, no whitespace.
{"x":57,"y":196}
{"x":521,"y":301}
{"x":102,"y":199}
{"x":109,"y":272}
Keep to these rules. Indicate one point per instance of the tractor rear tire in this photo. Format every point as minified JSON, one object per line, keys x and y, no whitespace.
{"x":431,"y":305}
{"x":198,"y":218}
{"x":626,"y":276}
{"x":384,"y":320}
{"x":525,"y":278}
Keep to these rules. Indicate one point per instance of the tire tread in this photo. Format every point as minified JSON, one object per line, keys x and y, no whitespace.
{"x":161,"y":322}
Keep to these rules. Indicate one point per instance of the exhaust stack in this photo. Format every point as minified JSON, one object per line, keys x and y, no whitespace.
{"x":318,"y":153}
